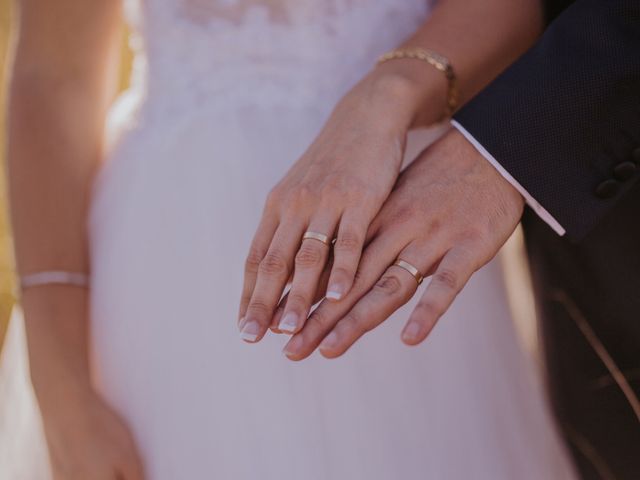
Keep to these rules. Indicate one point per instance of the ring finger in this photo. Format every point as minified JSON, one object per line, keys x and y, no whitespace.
{"x":394,"y":288}
{"x":375,"y":259}
{"x":273,"y":273}
{"x":310,"y":261}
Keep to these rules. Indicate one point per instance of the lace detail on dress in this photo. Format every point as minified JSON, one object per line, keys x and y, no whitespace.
{"x":226,"y":53}
{"x":278,"y":11}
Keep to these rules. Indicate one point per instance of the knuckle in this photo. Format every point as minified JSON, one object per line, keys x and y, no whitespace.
{"x":259,"y":309}
{"x":306,"y":193}
{"x":309,"y":255}
{"x":354,"y":319}
{"x":273,"y":264}
{"x":341,"y":272}
{"x":333,"y":189}
{"x":389,"y":285}
{"x":252,"y":262}
{"x":351,"y":278}
{"x":427,"y":309}
{"x":348,"y":242}
{"x":297,"y":299}
{"x":446,"y":278}
{"x":274,"y":199}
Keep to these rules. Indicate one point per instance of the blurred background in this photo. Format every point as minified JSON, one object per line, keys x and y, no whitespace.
{"x":6,"y":260}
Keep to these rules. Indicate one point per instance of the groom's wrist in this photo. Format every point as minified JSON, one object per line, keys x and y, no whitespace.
{"x":465,"y":137}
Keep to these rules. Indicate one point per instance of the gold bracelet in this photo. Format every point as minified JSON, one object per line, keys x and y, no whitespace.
{"x":439,"y":62}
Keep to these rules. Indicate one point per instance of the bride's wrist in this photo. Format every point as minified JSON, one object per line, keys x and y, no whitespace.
{"x":416,"y":91}
{"x":56,"y":321}
{"x":69,"y":394}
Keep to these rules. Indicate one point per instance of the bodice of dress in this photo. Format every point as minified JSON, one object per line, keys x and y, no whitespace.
{"x":191,"y":53}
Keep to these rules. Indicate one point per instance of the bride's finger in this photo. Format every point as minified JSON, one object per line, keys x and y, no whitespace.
{"x":273,"y":272}
{"x":319,"y":295}
{"x":347,"y":251}
{"x":451,"y":276}
{"x":395,"y":287}
{"x":277,"y":316}
{"x":257,"y":251}
{"x":309,"y":263}
{"x":375,"y":259}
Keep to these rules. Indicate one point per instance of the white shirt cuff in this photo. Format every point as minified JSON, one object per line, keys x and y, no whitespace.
{"x":532,"y":202}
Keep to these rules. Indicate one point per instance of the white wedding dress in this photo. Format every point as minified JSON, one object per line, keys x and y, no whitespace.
{"x":225,"y":95}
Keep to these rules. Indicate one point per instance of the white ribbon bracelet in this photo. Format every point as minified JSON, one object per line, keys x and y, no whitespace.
{"x":54,"y":277}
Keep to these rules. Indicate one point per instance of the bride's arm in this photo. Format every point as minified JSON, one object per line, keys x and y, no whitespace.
{"x":480,"y":38}
{"x":60,"y":86}
{"x":63,"y":74}
{"x":338,"y":186}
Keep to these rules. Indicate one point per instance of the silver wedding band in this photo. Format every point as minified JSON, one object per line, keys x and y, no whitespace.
{"x":411,"y":269}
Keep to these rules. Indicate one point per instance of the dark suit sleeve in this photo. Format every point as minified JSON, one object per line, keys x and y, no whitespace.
{"x":564,"y":120}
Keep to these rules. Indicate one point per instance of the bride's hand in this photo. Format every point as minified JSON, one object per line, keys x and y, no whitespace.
{"x":87,"y":439}
{"x":336,"y":188}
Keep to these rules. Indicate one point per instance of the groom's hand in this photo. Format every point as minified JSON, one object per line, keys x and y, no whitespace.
{"x":448,"y":215}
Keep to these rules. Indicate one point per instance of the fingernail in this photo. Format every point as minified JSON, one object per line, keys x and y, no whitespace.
{"x":293,"y":347}
{"x":289,"y":322}
{"x":250,"y":331}
{"x":330,"y":341}
{"x":334,"y":292}
{"x":241,"y":323}
{"x":411,"y":331}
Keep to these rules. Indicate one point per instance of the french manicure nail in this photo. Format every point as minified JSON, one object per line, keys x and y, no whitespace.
{"x":334,"y":292}
{"x":293,"y":347}
{"x":330,"y":341}
{"x":289,"y":322}
{"x":411,"y":331}
{"x":250,"y":331}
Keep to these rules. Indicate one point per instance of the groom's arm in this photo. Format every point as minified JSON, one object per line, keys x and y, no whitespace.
{"x":563,"y":122}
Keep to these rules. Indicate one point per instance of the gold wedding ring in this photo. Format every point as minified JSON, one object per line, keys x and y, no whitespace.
{"x":321,"y":237}
{"x":411,"y":269}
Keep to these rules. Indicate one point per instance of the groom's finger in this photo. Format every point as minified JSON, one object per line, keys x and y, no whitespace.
{"x":451,"y":276}
{"x":375,"y":259}
{"x":394,"y":288}
{"x":273,"y":273}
